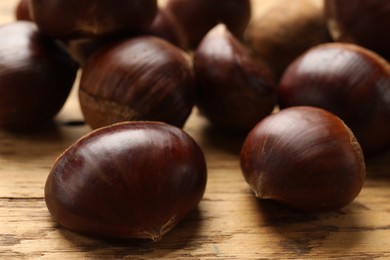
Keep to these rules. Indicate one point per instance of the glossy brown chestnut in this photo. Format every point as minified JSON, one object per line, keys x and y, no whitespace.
{"x":142,"y":78}
{"x":235,"y":91}
{"x":22,"y":12}
{"x":281,"y":30}
{"x":163,"y":26}
{"x":128,"y":180}
{"x":36,"y":76}
{"x":348,"y":80}
{"x":197,"y":17}
{"x":90,"y":18}
{"x":305,"y":158}
{"x":365,"y":23}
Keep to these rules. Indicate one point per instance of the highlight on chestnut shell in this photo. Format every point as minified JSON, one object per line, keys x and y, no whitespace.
{"x":234,"y":90}
{"x":138,"y":79}
{"x":36,"y":76}
{"x":349,"y":81}
{"x":305,"y":158}
{"x":128,"y":180}
{"x":69,"y":19}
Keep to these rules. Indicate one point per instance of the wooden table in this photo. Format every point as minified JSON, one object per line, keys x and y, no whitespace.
{"x":228,"y":224}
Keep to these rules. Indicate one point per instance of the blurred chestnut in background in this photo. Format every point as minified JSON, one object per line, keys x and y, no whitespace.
{"x":36,"y":76}
{"x":235,"y":91}
{"x":166,"y":27}
{"x":366,"y":23}
{"x":163,"y":26}
{"x":348,"y":80}
{"x":22,"y":12}
{"x":128,"y":180}
{"x":197,"y":17}
{"x":83,"y":48}
{"x":90,"y":18}
{"x":142,"y":78}
{"x":305,"y":158}
{"x":281,"y":30}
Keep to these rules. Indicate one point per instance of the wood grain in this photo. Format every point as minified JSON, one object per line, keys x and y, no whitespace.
{"x":229,"y":223}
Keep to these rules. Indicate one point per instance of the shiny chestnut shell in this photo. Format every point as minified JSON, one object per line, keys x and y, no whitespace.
{"x":142,"y":78}
{"x":365,"y":23}
{"x":234,"y":90}
{"x":36,"y":76}
{"x":128,"y":180}
{"x":92,"y":18}
{"x":305,"y":158}
{"x":348,"y":80}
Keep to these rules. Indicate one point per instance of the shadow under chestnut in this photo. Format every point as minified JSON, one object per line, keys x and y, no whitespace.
{"x":184,"y":235}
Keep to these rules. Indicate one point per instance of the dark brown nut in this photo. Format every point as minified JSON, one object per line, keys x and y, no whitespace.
{"x":167,"y":27}
{"x":22,"y":12}
{"x":197,"y":17}
{"x":305,"y":158}
{"x":66,"y":19}
{"x":143,"y":78}
{"x":235,"y":91}
{"x":349,"y":81}
{"x":281,"y":30}
{"x":365,"y":23}
{"x":36,"y":76}
{"x":129,"y":180}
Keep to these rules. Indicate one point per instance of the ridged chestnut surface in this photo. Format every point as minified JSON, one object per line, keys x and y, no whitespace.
{"x":142,"y":78}
{"x":128,"y":180}
{"x":90,"y":18}
{"x":235,"y":91}
{"x":365,"y":23}
{"x":305,"y":158}
{"x":36,"y":76}
{"x":197,"y":17}
{"x":348,"y":80}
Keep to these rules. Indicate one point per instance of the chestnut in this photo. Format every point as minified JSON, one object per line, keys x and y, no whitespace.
{"x":281,"y":30}
{"x":305,"y":158}
{"x":365,"y":23}
{"x":83,"y":48}
{"x":22,"y":12}
{"x":67,"y":19}
{"x":36,"y":76}
{"x":165,"y":26}
{"x":128,"y":180}
{"x":143,"y":78}
{"x":235,"y":90}
{"x":197,"y":17}
{"x":349,"y":81}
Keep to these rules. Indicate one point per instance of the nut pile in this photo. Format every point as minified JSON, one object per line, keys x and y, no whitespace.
{"x":308,"y":86}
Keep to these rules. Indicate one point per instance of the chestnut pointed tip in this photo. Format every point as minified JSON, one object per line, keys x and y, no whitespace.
{"x":225,"y":70}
